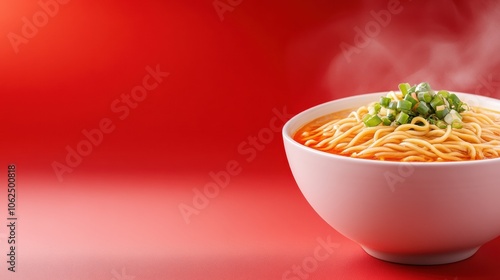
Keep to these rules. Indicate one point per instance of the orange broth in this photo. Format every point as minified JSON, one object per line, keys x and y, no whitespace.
{"x":314,"y":124}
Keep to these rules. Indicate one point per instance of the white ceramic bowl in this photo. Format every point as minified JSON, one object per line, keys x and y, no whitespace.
{"x":412,"y":213}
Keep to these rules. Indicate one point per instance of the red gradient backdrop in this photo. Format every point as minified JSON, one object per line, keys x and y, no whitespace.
{"x":119,"y":114}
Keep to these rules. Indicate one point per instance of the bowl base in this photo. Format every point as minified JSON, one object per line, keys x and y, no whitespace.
{"x":423,"y":259}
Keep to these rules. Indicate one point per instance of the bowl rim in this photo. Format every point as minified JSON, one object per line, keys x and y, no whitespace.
{"x":297,"y":120}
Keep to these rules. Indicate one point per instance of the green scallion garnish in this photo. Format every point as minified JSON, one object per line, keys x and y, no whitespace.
{"x":372,"y":120}
{"x":441,"y":108}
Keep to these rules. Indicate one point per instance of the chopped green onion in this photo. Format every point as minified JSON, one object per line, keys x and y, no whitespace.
{"x":463,"y":107}
{"x":391,"y":114}
{"x":384,"y":101}
{"x":437,"y":101}
{"x":440,"y":108}
{"x":423,"y":87}
{"x":424,"y":96}
{"x":382,"y":111}
{"x":404,"y":87}
{"x":456,"y":114}
{"x":372,"y":109}
{"x":410,"y":98}
{"x":423,"y":109}
{"x":366,"y":117}
{"x":393,"y":105}
{"x":404,"y":105}
{"x":386,"y":121}
{"x":441,"y":111}
{"x":452,"y":116}
{"x":372,"y":120}
{"x":402,"y":118}
{"x":412,"y":89}
{"x":443,"y":93}
{"x":455,"y":102}
{"x":441,"y":124}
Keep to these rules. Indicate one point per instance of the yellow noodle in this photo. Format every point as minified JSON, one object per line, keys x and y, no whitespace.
{"x":479,"y":138}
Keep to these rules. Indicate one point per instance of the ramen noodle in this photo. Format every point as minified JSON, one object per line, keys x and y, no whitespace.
{"x":408,"y":125}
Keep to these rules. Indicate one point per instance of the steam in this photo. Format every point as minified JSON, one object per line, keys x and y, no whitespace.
{"x":451,"y":45}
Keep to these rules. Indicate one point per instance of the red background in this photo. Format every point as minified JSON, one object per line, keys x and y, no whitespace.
{"x":117,"y":214}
